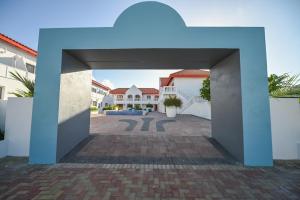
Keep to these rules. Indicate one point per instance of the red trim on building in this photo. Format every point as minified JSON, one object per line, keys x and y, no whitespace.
{"x":144,"y":91}
{"x":100,"y":85}
{"x":165,"y":81}
{"x":18,"y":45}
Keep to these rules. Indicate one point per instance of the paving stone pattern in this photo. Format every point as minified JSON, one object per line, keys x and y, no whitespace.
{"x":19,"y":180}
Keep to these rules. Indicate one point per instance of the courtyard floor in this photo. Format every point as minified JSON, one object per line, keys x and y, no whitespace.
{"x":148,"y":157}
{"x":150,"y":139}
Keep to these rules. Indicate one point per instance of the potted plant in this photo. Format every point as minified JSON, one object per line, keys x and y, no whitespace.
{"x":172,"y":103}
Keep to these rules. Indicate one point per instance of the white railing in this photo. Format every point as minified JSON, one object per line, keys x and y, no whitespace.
{"x":168,"y":90}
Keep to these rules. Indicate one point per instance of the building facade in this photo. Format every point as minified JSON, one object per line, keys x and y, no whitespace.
{"x":185,"y":85}
{"x":14,"y":57}
{"x":98,"y":92}
{"x":134,"y":97}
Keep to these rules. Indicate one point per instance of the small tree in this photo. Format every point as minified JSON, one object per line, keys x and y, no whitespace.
{"x":205,"y":90}
{"x":28,"y":84}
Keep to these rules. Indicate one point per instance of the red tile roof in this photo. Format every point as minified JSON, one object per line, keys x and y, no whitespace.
{"x":118,"y":91}
{"x":163,"y":81}
{"x":144,"y":91}
{"x":18,"y":45}
{"x":100,"y":85}
{"x":186,"y":73}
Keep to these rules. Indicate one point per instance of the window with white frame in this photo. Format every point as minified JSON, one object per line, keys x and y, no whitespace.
{"x":1,"y":92}
{"x":95,"y":103}
{"x":30,"y":68}
{"x":148,"y":97}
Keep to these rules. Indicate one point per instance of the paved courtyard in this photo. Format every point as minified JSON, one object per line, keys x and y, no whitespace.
{"x":150,"y":139}
{"x":19,"y":180}
{"x":147,"y":157}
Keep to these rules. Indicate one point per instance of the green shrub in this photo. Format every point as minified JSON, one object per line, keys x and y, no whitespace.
{"x":129,"y":106}
{"x":172,"y":101}
{"x":93,"y":108}
{"x":1,"y":135}
{"x":137,"y":107}
{"x":205,"y":90}
{"x":112,"y":107}
{"x":149,"y":105}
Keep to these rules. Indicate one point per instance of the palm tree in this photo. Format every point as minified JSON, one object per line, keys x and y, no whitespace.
{"x":283,"y":85}
{"x":28,"y":84}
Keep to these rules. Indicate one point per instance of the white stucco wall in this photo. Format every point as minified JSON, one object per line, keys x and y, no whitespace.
{"x":18,"y":126}
{"x":13,"y":59}
{"x":199,"y":109}
{"x":189,"y":86}
{"x":285,"y":120}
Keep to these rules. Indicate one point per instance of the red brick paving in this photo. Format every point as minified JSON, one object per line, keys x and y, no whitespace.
{"x":70,"y":181}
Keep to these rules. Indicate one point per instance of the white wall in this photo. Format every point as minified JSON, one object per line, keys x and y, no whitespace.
{"x":285,"y":120}
{"x":189,"y":86}
{"x":18,"y":126}
{"x":199,"y":109}
{"x":3,"y":104}
{"x":13,"y":59}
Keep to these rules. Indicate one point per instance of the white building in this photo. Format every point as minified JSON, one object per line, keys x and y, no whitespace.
{"x":99,"y":91}
{"x":186,"y":85}
{"x":14,"y":56}
{"x":131,"y":97}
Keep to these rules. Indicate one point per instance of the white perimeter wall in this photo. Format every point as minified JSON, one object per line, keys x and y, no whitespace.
{"x":18,"y":126}
{"x":285,"y":120}
{"x":199,"y":109}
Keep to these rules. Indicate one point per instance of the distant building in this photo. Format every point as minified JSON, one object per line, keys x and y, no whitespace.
{"x":131,"y":97}
{"x":185,"y":85}
{"x":14,"y":56}
{"x":99,"y":91}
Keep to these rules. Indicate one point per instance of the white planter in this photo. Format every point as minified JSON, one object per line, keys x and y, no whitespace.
{"x":171,"y":111}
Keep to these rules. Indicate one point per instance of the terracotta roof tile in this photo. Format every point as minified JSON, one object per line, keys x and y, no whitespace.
{"x":18,"y":45}
{"x":144,"y":91}
{"x":100,"y":85}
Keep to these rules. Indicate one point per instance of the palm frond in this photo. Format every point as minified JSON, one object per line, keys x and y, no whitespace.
{"x":27,"y":83}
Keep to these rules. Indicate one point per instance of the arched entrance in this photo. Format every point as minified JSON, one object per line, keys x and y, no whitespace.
{"x":141,"y":39}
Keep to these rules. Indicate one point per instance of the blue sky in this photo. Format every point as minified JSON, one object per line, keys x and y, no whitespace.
{"x":21,"y":20}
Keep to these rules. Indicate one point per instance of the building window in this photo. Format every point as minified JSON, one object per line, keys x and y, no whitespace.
{"x":137,"y":97}
{"x":119,"y":97}
{"x":148,"y":97}
{"x":94,"y":90}
{"x":129,"y":97}
{"x":30,"y":68}
{"x":95,"y":103}
{"x":1,"y":93}
{"x":156,"y":98}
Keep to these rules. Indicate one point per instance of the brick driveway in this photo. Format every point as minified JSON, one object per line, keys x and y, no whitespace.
{"x":140,"y":162}
{"x":151,"y":139}
{"x":19,"y":180}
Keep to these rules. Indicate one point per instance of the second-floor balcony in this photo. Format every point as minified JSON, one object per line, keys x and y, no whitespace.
{"x":168,"y":90}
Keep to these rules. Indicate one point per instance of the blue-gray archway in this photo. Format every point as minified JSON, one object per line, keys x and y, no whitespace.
{"x":152,"y":35}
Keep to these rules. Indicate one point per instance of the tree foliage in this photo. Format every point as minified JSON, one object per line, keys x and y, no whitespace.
{"x":26,"y":82}
{"x":205,"y":90}
{"x":283,"y":85}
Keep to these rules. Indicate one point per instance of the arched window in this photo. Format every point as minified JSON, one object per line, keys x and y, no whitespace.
{"x":137,"y":97}
{"x":129,"y":97}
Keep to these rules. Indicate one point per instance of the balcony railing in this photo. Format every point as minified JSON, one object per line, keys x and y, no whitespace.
{"x":137,"y":99}
{"x":168,"y":90}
